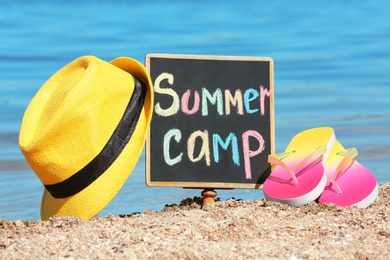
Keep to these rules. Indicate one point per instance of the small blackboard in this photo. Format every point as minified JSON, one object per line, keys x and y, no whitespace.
{"x":213,"y":121}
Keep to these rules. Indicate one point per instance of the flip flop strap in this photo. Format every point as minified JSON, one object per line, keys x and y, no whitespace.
{"x":312,"y":157}
{"x":348,"y":160}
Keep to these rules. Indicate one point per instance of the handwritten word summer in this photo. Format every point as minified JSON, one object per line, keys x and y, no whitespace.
{"x":223,"y":102}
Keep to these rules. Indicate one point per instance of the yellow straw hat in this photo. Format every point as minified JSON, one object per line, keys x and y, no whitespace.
{"x":84,"y":131}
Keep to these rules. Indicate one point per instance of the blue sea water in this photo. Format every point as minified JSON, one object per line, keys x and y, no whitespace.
{"x":332,"y":61}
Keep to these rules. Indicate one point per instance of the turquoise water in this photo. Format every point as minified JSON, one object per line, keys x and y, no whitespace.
{"x":332,"y":61}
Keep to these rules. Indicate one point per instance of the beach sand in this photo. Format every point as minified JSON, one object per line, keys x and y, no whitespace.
{"x":232,"y":229}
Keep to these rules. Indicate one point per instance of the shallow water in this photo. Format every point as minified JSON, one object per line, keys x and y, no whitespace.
{"x":331,"y":69}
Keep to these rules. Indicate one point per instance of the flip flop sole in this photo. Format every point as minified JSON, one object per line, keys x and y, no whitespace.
{"x":358,"y":184}
{"x":298,"y":197}
{"x":280,"y":186}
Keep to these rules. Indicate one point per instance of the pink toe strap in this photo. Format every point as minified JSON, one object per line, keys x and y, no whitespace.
{"x":310,"y":159}
{"x":348,"y":160}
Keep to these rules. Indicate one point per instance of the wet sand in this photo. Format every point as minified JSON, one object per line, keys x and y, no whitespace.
{"x":232,"y":229}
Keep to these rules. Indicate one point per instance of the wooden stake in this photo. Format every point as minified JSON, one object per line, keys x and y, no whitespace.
{"x":208,"y":196}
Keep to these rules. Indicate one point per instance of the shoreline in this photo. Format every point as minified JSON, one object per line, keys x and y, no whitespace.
{"x":227,"y":230}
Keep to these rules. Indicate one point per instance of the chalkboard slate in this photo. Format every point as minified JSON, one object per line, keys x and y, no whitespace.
{"x":213,"y":121}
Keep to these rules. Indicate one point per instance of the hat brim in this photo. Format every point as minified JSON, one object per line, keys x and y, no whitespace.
{"x":91,"y":200}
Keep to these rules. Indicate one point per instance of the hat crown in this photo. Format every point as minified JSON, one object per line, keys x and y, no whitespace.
{"x":72,"y":116}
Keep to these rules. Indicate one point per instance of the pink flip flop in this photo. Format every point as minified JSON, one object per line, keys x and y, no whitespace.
{"x":299,"y":176}
{"x":349,"y":182}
